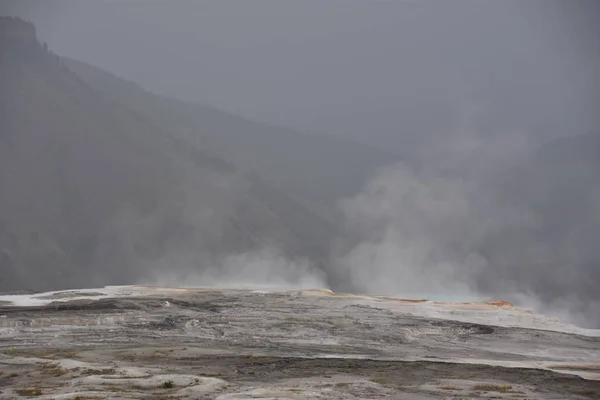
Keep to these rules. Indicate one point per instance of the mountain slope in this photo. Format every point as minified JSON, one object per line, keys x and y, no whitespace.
{"x":92,"y":193}
{"x":316,"y":169}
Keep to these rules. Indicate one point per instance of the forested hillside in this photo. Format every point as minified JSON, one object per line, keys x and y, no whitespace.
{"x":92,"y":192}
{"x":316,"y":169}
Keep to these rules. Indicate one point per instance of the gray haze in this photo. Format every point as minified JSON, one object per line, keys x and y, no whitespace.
{"x":477,"y":167}
{"x":389,"y":73}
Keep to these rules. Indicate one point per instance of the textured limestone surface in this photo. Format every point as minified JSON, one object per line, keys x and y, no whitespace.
{"x":135,"y":342}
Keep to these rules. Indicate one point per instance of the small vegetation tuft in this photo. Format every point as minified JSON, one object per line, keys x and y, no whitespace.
{"x":15,"y":352}
{"x":449,"y":388}
{"x":168,"y":385}
{"x":106,"y":371}
{"x":488,"y":387}
{"x":210,"y":375}
{"x":29,"y":392}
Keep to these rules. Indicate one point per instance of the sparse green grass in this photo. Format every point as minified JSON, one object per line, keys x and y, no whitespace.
{"x":113,"y":389}
{"x":29,"y":392}
{"x":106,"y":371}
{"x":211,"y":375}
{"x":168,"y":385}
{"x":488,"y":387}
{"x":342,"y":384}
{"x":88,"y":398}
{"x":53,"y":370}
{"x":15,"y":352}
{"x":56,"y":372}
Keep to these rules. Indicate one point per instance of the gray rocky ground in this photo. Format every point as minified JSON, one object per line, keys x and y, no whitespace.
{"x":158,"y":343}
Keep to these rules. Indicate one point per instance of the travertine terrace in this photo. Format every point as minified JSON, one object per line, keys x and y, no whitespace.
{"x":135,"y":342}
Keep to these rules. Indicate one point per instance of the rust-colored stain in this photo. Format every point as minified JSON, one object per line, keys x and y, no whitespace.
{"x":500,"y":303}
{"x":405,"y":300}
{"x":326,"y":292}
{"x":494,"y":303}
{"x":467,"y":305}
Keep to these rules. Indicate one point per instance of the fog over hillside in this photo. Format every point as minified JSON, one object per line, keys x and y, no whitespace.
{"x":448,"y":150}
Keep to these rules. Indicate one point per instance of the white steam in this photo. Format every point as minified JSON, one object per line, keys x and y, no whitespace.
{"x":264,"y":268}
{"x":410,"y":235}
{"x":428,"y":235}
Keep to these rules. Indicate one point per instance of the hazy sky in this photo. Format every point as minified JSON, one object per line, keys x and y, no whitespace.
{"x":389,"y":72}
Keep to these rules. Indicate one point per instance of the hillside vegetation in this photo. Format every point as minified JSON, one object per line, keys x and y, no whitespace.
{"x":92,"y":192}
